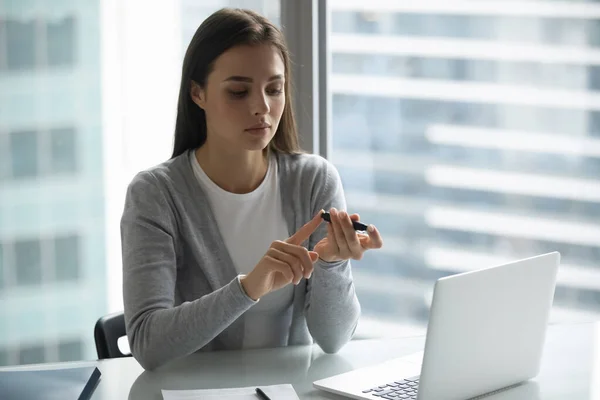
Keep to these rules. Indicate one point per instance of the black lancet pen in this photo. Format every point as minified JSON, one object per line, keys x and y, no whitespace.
{"x":358,"y":226}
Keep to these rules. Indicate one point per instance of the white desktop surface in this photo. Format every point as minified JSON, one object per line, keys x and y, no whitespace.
{"x":570,"y":368}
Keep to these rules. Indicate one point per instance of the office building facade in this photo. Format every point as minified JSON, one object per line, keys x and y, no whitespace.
{"x":52,"y":264}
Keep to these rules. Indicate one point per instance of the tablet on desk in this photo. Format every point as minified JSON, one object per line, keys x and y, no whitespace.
{"x":67,"y":383}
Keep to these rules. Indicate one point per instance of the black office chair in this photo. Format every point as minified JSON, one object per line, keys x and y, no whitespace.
{"x":107,"y":332}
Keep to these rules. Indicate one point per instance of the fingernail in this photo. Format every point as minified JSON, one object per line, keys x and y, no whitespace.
{"x":371,"y":228}
{"x":343,"y":214}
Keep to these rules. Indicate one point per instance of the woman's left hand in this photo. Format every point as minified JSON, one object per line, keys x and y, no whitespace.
{"x":343,"y":242}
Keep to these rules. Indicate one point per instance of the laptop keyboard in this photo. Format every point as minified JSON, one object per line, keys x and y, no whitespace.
{"x":403,"y":389}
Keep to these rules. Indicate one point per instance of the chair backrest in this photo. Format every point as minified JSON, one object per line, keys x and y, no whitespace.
{"x":107,"y":332}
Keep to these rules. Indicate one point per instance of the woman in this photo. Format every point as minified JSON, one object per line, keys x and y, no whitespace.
{"x":214,"y":238}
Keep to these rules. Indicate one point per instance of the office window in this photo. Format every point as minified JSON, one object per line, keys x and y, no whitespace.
{"x":67,"y":258}
{"x":63,"y":150}
{"x":28,"y":262}
{"x":61,"y":42}
{"x":444,"y":137}
{"x":55,"y":176}
{"x":367,"y":22}
{"x":20,"y":44}
{"x":32,"y":355}
{"x":70,"y":350}
{"x":24,"y":154}
{"x":518,"y":73}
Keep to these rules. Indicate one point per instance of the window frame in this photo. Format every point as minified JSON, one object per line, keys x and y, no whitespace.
{"x":305,"y":26}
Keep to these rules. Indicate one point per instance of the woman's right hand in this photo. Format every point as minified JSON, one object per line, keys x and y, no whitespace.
{"x":285,"y":262}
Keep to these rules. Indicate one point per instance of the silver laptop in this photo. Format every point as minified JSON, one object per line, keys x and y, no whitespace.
{"x":486,"y":332}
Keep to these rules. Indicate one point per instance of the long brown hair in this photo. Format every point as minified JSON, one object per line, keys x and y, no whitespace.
{"x":221,"y":31}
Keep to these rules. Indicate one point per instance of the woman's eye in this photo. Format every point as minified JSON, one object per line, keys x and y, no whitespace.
{"x":238,"y":93}
{"x":274,"y":92}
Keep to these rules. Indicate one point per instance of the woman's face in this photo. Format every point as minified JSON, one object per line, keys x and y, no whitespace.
{"x":243,"y":97}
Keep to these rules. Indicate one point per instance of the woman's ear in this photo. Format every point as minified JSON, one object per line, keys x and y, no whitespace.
{"x":198,"y":95}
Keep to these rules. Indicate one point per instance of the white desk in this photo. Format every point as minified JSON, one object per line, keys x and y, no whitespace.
{"x":570,"y":370}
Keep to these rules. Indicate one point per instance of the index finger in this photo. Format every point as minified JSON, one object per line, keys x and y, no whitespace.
{"x":307,"y":229}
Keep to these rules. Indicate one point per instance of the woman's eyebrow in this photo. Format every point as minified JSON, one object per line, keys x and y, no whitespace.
{"x":237,"y":78}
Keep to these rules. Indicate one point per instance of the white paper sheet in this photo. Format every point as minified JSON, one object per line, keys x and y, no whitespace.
{"x":275,"y":392}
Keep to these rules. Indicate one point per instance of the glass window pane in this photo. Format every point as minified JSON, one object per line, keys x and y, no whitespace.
{"x":63,"y":157}
{"x":61,"y":42}
{"x":448,"y":139}
{"x":32,"y":355}
{"x":61,"y":124}
{"x":71,"y":350}
{"x":28,"y":262}
{"x":67,"y":258}
{"x":24,"y":154}
{"x":20,"y":44}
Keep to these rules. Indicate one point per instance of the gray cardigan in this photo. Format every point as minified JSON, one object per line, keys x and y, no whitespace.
{"x":180,"y":287}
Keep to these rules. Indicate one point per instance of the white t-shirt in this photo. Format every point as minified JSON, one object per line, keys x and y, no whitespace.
{"x":249,"y":223}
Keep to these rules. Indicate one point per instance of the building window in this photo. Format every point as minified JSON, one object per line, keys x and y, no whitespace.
{"x":61,"y":42}
{"x":63,"y":154}
{"x":20,"y":44}
{"x":593,"y":33}
{"x":28,"y":262}
{"x":593,"y":123}
{"x":67,"y":258}
{"x":71,"y":350}
{"x":593,"y":77}
{"x":24,"y":148}
{"x":32,"y":355}
{"x":52,"y":40}
{"x":24,"y":153}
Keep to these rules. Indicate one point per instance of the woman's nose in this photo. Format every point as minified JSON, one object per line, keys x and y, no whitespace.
{"x":260,"y":105}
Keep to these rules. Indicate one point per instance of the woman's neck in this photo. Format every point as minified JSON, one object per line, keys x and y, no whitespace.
{"x":233,"y":171}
